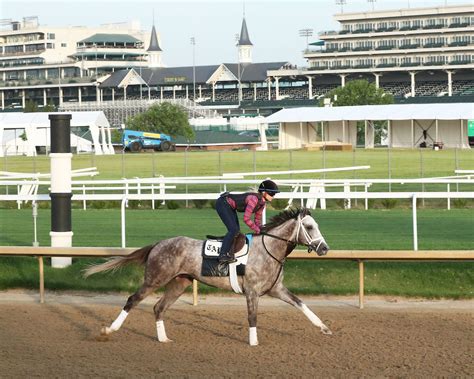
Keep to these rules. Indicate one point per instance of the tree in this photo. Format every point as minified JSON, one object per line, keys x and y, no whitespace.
{"x":32,"y":106}
{"x":358,"y":92}
{"x":361,"y":92}
{"x":164,"y":118}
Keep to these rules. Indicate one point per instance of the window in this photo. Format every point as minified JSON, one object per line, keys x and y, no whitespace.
{"x":405,"y":24}
{"x":51,"y":36}
{"x":63,"y":44}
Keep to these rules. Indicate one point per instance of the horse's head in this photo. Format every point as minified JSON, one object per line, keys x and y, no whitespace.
{"x":308,"y":233}
{"x":305,"y":232}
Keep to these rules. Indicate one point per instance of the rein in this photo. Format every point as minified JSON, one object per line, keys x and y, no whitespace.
{"x":268,"y":252}
{"x":288,"y":242}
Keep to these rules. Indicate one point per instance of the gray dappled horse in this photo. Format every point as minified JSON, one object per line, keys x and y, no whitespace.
{"x":175,"y":262}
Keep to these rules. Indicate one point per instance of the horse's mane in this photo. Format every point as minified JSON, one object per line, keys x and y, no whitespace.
{"x":283,"y":216}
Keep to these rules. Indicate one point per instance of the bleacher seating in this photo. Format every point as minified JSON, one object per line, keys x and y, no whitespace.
{"x":397,"y":89}
{"x":431,"y":88}
{"x":463,"y":88}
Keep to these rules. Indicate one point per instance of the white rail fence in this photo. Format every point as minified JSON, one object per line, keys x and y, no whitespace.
{"x":124,"y":198}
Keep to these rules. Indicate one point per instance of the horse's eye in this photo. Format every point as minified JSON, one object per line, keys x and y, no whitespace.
{"x":310,"y":227}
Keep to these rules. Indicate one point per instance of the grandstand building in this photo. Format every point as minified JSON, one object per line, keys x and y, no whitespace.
{"x":408,"y":52}
{"x":61,"y":64}
{"x":416,"y":54}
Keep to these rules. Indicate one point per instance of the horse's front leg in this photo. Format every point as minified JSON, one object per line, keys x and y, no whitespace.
{"x":252,"y":307}
{"x":281,"y":292}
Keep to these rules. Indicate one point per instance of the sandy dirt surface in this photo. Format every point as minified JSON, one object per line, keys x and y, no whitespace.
{"x":386,"y":339}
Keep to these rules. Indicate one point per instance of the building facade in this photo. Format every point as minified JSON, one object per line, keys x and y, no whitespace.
{"x":395,"y":49}
{"x":58,"y":64}
{"x":411,"y":53}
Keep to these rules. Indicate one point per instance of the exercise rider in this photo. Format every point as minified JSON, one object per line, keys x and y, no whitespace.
{"x":251,"y":203}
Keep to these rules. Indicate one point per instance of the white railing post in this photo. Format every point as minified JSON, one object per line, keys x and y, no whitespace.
{"x":122,"y":220}
{"x":18,"y":191}
{"x":415,"y":225}
{"x":153,"y":195}
{"x":366,"y":188}
{"x":162,"y":188}
{"x":84,"y":206}
{"x":449,"y":198}
{"x":347,"y":202}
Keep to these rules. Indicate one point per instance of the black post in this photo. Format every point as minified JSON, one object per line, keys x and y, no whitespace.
{"x":61,"y":226}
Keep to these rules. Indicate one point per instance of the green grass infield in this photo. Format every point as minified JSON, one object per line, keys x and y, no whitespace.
{"x":438,"y":229}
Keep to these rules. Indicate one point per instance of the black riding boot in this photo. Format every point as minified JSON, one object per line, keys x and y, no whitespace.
{"x":226,"y":257}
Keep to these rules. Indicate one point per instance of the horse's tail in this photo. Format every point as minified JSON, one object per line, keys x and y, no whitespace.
{"x":138,"y":256}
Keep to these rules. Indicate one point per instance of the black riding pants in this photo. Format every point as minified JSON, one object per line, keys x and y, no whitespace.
{"x":229,"y":217}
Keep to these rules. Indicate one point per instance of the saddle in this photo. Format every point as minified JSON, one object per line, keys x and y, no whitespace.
{"x":210,"y":253}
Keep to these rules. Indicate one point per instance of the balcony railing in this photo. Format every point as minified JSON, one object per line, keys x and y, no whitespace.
{"x":391,"y":47}
{"x":385,"y":47}
{"x":49,"y":81}
{"x":437,"y":26}
{"x":434,"y":63}
{"x":401,"y":29}
{"x":384,"y":65}
{"x":410,"y":46}
{"x":434,"y":44}
{"x":458,"y":25}
{"x":468,"y":61}
{"x":410,"y":64}
{"x":19,"y":53}
{"x":458,"y":43}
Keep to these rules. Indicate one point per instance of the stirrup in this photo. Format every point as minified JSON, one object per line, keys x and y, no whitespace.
{"x":226,"y":258}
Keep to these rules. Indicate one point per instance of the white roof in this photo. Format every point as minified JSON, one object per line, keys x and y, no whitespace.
{"x":444,"y":111}
{"x":17,"y":120}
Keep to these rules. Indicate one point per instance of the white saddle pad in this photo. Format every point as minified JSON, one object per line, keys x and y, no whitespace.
{"x":212,"y":248}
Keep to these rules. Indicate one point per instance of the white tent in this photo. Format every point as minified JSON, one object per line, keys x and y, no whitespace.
{"x":408,"y":124}
{"x":36,"y":126}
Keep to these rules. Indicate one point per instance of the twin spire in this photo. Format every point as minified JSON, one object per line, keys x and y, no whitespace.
{"x":154,"y":50}
{"x":245,"y":47}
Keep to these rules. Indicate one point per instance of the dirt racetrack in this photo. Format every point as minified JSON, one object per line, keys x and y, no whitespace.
{"x":402,"y":339}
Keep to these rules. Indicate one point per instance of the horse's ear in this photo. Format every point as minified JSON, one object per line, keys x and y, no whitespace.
{"x":305,"y":212}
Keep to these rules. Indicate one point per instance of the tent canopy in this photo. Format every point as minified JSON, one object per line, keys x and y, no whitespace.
{"x":451,"y":111}
{"x":16,"y":120}
{"x":34,"y":122}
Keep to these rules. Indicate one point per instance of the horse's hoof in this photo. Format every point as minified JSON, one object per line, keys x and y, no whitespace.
{"x":105,"y":331}
{"x":326,"y":330}
{"x":165,"y":341}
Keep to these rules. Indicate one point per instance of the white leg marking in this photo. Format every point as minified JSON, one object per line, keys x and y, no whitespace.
{"x":253,"y":340}
{"x":315,"y":319}
{"x":116,"y":324}
{"x":160,"y":330}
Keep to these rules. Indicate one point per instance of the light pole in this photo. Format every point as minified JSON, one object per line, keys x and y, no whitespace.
{"x":193,"y":42}
{"x":306,"y":33}
{"x":373,"y":4}
{"x":341,"y":3}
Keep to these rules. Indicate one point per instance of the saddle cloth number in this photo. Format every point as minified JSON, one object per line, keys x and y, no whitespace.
{"x":212,"y":248}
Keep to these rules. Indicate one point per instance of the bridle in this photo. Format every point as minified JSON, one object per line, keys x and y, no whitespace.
{"x":294,"y":242}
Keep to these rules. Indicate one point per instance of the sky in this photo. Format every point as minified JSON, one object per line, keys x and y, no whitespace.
{"x":273,"y":25}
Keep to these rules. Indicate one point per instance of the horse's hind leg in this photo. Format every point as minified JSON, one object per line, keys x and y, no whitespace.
{"x":132,"y":301}
{"x":281,"y":292}
{"x":173,"y":290}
